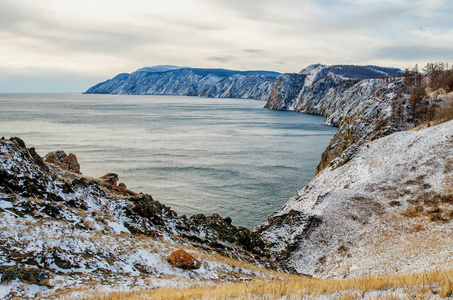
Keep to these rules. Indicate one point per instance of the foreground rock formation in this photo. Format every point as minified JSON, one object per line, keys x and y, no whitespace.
{"x":70,"y":228}
{"x":67,"y":162}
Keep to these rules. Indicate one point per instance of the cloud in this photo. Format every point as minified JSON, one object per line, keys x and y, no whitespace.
{"x":221,"y":59}
{"x":253,"y":51}
{"x":416,"y":52}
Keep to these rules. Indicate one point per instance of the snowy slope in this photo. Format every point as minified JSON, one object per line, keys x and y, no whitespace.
{"x":388,"y":210}
{"x":74,"y":230}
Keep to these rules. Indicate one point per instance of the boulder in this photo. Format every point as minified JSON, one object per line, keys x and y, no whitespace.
{"x":110,"y":178}
{"x":182,"y":259}
{"x":67,"y":162}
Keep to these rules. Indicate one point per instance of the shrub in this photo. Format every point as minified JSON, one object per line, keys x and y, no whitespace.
{"x":413,"y":211}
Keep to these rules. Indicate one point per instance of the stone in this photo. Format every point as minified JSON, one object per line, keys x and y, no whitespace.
{"x":18,"y":141}
{"x":38,"y":159}
{"x":182,"y":259}
{"x":61,"y":159}
{"x":110,"y":178}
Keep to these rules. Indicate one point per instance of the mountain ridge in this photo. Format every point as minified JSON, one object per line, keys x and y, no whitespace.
{"x":183,"y":81}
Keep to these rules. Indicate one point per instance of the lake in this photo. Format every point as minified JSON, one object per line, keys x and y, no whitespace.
{"x":196,"y":155}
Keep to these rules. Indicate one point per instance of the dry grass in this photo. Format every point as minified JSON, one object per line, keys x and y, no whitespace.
{"x":444,"y":113}
{"x":413,"y":286}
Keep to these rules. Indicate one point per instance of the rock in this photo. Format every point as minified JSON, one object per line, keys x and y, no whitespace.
{"x":110,"y":178}
{"x":154,"y":211}
{"x":18,"y":141}
{"x":67,"y":162}
{"x":38,"y":160}
{"x":121,"y":190}
{"x":182,"y":259}
{"x":27,"y":275}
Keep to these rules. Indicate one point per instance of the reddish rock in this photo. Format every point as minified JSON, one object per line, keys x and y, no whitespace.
{"x":67,"y":162}
{"x":110,"y":178}
{"x":110,"y":181}
{"x":120,"y":190}
{"x":182,"y":259}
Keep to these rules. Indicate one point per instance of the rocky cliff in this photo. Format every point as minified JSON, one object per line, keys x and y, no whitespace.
{"x":212,"y":83}
{"x":320,"y":89}
{"x":365,"y":102}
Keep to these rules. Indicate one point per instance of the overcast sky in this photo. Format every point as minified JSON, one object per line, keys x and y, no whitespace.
{"x":70,"y":45}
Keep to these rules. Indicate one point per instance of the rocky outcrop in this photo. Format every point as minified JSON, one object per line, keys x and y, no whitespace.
{"x":61,"y":159}
{"x":110,"y":178}
{"x":321,"y":90}
{"x":211,"y":83}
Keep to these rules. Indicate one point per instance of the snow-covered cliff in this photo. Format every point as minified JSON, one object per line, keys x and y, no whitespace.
{"x":212,"y":83}
{"x":388,"y":210}
{"x":324,"y":90}
{"x":365,"y":102}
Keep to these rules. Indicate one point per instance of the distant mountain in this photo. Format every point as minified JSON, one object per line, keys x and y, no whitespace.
{"x":182,"y":81}
{"x":160,"y":68}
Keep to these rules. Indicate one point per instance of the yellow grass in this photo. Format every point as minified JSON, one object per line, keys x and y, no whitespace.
{"x":414,"y":286}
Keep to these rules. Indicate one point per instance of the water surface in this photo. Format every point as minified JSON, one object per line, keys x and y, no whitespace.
{"x":197,"y":155}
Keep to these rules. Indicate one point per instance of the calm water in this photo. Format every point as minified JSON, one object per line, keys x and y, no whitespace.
{"x":197,"y":155}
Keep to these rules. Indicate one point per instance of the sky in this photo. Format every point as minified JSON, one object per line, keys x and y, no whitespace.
{"x":70,"y":45}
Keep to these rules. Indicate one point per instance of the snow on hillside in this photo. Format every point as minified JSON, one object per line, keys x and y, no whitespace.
{"x":388,"y":210}
{"x":170,"y":80}
{"x":61,"y":231}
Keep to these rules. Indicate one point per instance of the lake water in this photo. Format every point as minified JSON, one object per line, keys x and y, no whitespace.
{"x":197,"y":155}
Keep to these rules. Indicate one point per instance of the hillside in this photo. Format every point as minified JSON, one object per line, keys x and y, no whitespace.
{"x":171,"y":80}
{"x":62,"y":230}
{"x":388,"y":210}
{"x":381,"y":202}
{"x":364,"y":108}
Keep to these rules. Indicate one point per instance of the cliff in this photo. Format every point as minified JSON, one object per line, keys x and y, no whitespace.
{"x":365,"y":102}
{"x":211,"y":83}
